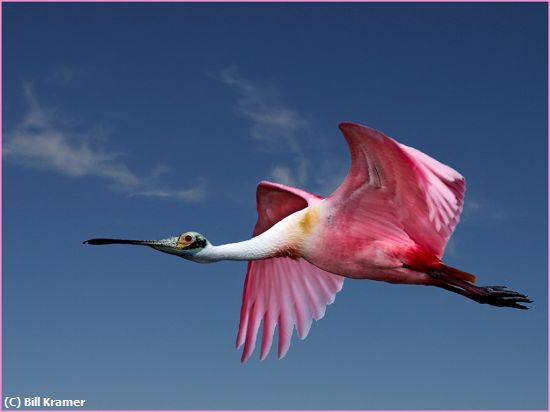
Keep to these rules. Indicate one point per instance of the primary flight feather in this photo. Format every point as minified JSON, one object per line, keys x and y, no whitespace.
{"x":389,"y":220}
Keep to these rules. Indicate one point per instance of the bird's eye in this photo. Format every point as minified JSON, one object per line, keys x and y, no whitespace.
{"x":188,"y":238}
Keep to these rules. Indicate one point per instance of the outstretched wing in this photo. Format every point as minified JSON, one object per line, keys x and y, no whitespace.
{"x":397,"y":191}
{"x":282,"y":291}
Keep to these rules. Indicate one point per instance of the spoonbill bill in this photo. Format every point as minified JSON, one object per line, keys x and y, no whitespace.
{"x":389,"y":220}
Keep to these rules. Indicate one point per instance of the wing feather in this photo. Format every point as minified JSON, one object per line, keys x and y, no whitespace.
{"x":282,"y":292}
{"x":395,"y":191}
{"x":297,"y":292}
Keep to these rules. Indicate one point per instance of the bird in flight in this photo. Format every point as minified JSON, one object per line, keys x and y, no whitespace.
{"x":389,"y":220}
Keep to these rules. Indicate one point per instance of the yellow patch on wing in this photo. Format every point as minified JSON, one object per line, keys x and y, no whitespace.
{"x":309,"y":220}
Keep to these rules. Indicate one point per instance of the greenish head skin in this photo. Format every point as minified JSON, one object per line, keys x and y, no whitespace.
{"x":186,"y":245}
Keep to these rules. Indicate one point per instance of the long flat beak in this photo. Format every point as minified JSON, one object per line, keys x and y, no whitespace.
{"x":170,"y":242}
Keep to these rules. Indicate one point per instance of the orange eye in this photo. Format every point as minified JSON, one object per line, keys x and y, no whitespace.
{"x":188,"y":238}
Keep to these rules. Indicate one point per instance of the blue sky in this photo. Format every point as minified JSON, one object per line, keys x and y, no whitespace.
{"x":148,"y":120}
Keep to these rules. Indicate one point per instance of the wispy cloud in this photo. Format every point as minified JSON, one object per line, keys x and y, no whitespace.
{"x":451,"y":249}
{"x":277,"y":127}
{"x":470,"y":208}
{"x":50,"y":149}
{"x":62,"y":75}
{"x":282,"y":174}
{"x":295,"y":175}
{"x":481,"y":210}
{"x":35,"y":117}
{"x":474,"y":212}
{"x":272,"y":122}
{"x":38,"y":142}
{"x":196,"y":193}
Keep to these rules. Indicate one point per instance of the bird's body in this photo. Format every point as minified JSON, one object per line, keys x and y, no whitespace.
{"x":310,"y":234}
{"x":351,"y":255}
{"x":388,"y":221}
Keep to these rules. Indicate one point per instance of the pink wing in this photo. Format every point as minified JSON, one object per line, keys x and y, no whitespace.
{"x":395,"y":191}
{"x":282,"y":291}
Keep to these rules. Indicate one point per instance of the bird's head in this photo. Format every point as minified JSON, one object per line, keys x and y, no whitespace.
{"x":187,"y":245}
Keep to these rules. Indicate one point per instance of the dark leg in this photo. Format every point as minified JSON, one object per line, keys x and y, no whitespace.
{"x":490,"y":295}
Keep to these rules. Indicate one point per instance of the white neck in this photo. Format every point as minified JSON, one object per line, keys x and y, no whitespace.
{"x":282,"y":237}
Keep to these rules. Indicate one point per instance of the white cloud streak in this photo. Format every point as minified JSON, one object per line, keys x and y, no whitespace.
{"x":275,"y":126}
{"x":35,"y":117}
{"x":37,"y":142}
{"x":473,"y":209}
{"x":62,"y":75}
{"x":291,"y":176}
{"x":196,"y":193}
{"x":282,"y":174}
{"x":272,"y":123}
{"x":50,"y":149}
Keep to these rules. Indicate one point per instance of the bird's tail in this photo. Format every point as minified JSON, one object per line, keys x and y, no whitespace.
{"x":460,"y":282}
{"x":456,"y":273}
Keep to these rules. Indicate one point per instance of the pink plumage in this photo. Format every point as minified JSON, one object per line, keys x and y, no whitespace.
{"x":284,"y":291}
{"x":389,"y":220}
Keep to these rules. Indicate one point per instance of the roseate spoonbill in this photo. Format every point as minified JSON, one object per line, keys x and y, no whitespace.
{"x":389,"y":220}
